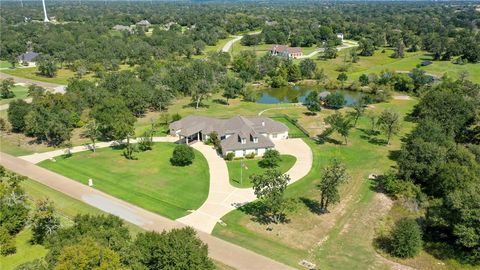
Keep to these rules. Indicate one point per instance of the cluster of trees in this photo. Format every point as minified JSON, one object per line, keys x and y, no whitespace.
{"x":109,"y":107}
{"x":92,"y":242}
{"x":276,"y":71}
{"x":438,"y":166}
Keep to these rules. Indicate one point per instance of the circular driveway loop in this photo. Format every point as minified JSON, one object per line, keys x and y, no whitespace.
{"x":223,"y":197}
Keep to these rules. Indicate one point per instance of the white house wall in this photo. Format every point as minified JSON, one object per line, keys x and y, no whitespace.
{"x":279,"y":136}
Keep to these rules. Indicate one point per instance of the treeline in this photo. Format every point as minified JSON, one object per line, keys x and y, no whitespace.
{"x":439,"y":167}
{"x":92,"y":242}
{"x":84,"y":39}
{"x":114,"y":101}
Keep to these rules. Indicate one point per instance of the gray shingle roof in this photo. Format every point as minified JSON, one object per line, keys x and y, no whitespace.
{"x":28,"y":56}
{"x":237,"y":127}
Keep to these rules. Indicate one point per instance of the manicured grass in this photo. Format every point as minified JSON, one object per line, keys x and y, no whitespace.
{"x":25,"y":251}
{"x":32,"y":73}
{"x":65,"y":206}
{"x":293,"y":131}
{"x":382,"y":61}
{"x":343,"y":236}
{"x":262,"y":49}
{"x":150,"y":182}
{"x":20,"y":92}
{"x":17,"y":144}
{"x":5,"y":64}
{"x":251,"y":167}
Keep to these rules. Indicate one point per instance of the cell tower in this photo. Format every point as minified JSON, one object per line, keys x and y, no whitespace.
{"x":45,"y":12}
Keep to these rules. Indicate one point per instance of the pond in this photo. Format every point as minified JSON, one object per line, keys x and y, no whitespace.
{"x":296,"y":94}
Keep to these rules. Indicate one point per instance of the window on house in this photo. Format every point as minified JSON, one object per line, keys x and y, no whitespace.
{"x":274,"y":135}
{"x":255,"y":139}
{"x":244,"y":141}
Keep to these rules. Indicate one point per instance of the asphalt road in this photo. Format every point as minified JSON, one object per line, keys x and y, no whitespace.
{"x":223,"y":251}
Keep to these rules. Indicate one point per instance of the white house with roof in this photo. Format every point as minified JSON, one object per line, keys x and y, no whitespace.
{"x":28,"y":58}
{"x":282,"y":50}
{"x":238,"y":135}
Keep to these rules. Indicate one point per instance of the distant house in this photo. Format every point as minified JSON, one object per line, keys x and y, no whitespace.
{"x":144,"y":24}
{"x":282,"y":50}
{"x":340,"y":36}
{"x":238,"y":135}
{"x":169,"y":24}
{"x":271,"y":23}
{"x":28,"y":57}
{"x":122,"y":28}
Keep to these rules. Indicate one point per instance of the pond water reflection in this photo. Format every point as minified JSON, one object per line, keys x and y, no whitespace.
{"x":296,"y":94}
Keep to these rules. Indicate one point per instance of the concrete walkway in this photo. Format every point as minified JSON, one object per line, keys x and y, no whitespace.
{"x":223,"y":197}
{"x":228,"y":46}
{"x":220,"y":250}
{"x":347,"y":44}
{"x":39,"y":157}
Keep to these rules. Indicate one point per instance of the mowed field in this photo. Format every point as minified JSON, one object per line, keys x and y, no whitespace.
{"x":383,"y":61}
{"x":241,"y":177}
{"x":344,"y":236}
{"x":150,"y":182}
{"x":66,"y":207}
{"x":20,"y":92}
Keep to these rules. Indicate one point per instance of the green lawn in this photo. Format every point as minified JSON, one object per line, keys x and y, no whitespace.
{"x":20,"y":92}
{"x":32,"y":73}
{"x":150,"y":182}
{"x":25,"y":251}
{"x":382,"y":61}
{"x":343,"y":236}
{"x":293,"y":131}
{"x":251,"y":168}
{"x":5,"y":64}
{"x":65,"y":206}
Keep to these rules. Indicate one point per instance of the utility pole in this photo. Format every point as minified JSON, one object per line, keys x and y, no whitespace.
{"x":45,"y":12}
{"x":241,"y":173}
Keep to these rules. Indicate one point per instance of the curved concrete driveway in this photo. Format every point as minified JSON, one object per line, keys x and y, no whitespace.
{"x":223,"y":197}
{"x":228,"y":253}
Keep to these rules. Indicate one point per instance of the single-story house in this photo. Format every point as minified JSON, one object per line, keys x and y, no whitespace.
{"x":144,"y":24}
{"x":238,"y":135}
{"x":28,"y":57}
{"x":282,"y":50}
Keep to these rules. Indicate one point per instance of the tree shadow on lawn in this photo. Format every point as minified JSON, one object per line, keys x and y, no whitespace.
{"x":260,"y":214}
{"x":370,"y":136}
{"x":193,"y":104}
{"x":313,"y":206}
{"x":220,"y":101}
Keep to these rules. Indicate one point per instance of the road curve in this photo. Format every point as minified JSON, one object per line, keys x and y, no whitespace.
{"x":228,"y":46}
{"x":225,"y":252}
{"x":56,"y":88}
